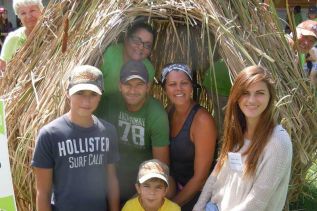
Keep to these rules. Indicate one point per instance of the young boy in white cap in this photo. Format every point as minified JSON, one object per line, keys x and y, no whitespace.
{"x":152,"y":187}
{"x":75,"y":154}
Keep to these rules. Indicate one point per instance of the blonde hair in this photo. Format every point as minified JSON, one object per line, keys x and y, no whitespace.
{"x":18,"y":3}
{"x":235,"y":122}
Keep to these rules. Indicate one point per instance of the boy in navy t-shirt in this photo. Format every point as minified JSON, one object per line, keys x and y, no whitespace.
{"x":75,"y":154}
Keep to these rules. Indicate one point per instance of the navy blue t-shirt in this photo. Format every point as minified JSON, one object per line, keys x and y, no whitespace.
{"x":78,"y":157}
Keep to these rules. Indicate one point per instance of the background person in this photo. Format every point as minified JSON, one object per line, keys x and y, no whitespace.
{"x":306,"y":37}
{"x":75,"y":154}
{"x":29,"y":11}
{"x":192,"y":135}
{"x":312,"y":13}
{"x":151,"y":186}
{"x":254,"y":165}
{"x":5,"y":24}
{"x":311,"y":56}
{"x":311,"y":60}
{"x":313,"y":76}
{"x":297,"y":18}
{"x":141,"y":123}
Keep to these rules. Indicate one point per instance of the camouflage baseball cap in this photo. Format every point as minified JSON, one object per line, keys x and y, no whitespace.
{"x":153,"y":169}
{"x":307,"y":28}
{"x":85,"y":77}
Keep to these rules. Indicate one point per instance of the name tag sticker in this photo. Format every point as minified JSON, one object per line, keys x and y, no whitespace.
{"x":235,"y":161}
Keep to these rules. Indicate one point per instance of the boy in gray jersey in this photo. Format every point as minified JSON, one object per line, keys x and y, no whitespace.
{"x":75,"y":154}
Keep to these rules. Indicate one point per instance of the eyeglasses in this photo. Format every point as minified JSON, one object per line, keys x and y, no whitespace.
{"x":137,"y":41}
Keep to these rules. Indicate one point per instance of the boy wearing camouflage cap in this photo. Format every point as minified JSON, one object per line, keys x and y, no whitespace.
{"x":152,"y":184}
{"x":75,"y":154}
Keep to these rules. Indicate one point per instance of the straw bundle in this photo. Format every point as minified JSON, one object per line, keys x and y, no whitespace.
{"x":196,"y":31}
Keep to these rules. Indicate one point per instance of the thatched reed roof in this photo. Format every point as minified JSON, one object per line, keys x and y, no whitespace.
{"x":195,"y":31}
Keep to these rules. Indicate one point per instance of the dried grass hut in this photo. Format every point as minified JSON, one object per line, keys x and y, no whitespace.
{"x":193,"y":31}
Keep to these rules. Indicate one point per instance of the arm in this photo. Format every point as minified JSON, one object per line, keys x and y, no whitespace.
{"x":2,"y":65}
{"x":160,"y":141}
{"x":9,"y":48}
{"x":203,"y":134}
{"x":43,"y":179}
{"x":265,"y":5}
{"x":290,"y":41}
{"x":205,"y":195}
{"x":43,"y":165}
{"x":113,"y":188}
{"x":161,"y":153}
{"x":159,"y":130}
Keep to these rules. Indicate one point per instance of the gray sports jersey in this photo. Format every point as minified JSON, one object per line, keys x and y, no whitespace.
{"x":78,"y":157}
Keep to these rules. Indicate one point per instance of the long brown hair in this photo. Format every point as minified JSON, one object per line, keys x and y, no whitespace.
{"x":235,"y":123}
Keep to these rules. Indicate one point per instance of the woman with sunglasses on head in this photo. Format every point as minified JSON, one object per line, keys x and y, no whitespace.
{"x":29,"y":12}
{"x":137,"y":46}
{"x":192,"y":135}
{"x":254,"y":166}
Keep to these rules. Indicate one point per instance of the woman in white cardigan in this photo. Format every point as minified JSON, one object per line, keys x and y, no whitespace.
{"x":254,"y":165}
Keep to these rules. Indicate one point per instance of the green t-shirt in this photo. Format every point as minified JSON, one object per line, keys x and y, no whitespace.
{"x":112,"y":62}
{"x":134,"y":205}
{"x":14,"y":41}
{"x":302,"y":59}
{"x":222,"y":83}
{"x":298,"y":18}
{"x":138,"y":132}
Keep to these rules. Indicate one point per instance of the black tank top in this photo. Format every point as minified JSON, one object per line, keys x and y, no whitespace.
{"x":182,"y":150}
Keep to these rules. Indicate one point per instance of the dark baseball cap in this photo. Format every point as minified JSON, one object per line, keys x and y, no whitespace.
{"x":132,"y":70}
{"x":85,"y":77}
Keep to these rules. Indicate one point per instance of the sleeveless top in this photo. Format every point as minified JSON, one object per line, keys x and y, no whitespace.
{"x":182,"y":150}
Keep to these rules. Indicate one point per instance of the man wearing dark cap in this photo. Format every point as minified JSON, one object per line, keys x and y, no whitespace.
{"x":142,"y":125}
{"x":75,"y":154}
